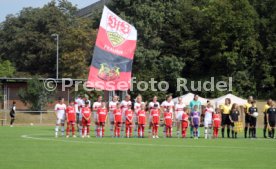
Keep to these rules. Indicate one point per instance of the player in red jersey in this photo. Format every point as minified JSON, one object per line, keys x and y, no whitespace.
{"x":168,"y":118}
{"x":216,"y":122}
{"x":71,"y":118}
{"x":185,"y":122}
{"x":102,"y":115}
{"x":129,"y":121}
{"x":86,"y":120}
{"x":141,"y":118}
{"x":117,"y":113}
{"x":155,"y":114}
{"x":96,"y":106}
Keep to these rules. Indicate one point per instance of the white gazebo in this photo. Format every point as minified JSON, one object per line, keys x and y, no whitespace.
{"x":187,"y":98}
{"x":234,"y":99}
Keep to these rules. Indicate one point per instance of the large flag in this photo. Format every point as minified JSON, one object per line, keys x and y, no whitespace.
{"x":113,"y":54}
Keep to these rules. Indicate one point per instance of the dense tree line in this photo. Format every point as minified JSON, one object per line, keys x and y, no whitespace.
{"x":195,"y":39}
{"x":198,"y":39}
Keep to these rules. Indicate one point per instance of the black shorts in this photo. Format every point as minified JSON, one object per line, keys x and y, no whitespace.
{"x":265,"y":119}
{"x":233,"y":124}
{"x":272,"y":123}
{"x":12,"y":115}
{"x":247,"y":119}
{"x":225,"y":120}
{"x":253,"y":121}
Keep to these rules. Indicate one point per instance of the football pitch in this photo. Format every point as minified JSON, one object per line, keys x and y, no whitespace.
{"x":35,"y":147}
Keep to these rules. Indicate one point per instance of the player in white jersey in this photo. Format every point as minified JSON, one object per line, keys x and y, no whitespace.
{"x":137,"y":107}
{"x":60,"y":108}
{"x":96,"y":106}
{"x":125,"y":104}
{"x":179,"y":110}
{"x":168,"y":103}
{"x":208,"y":114}
{"x":150,"y":107}
{"x":111,"y":107}
{"x":79,"y":103}
{"x":86,"y":100}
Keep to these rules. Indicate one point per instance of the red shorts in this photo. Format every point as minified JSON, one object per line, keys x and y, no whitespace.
{"x":101,"y":123}
{"x":118,"y":124}
{"x":169,"y":125}
{"x":128,"y":123}
{"x":216,"y":123}
{"x":141,"y":123}
{"x":71,"y":122}
{"x":184,"y":124}
{"x":86,"y":122}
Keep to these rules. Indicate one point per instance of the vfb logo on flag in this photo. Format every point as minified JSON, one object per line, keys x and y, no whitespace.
{"x":117,"y":30}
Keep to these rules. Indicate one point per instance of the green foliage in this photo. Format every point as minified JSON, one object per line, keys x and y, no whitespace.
{"x":194,"y":39}
{"x":198,"y":39}
{"x":6,"y":69}
{"x":35,"y":96}
{"x":26,"y":39}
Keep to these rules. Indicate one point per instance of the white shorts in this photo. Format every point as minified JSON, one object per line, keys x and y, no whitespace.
{"x":61,"y":116}
{"x":179,"y":116}
{"x":150,"y":119}
{"x":123,"y":117}
{"x":207,"y":123}
{"x":111,"y":117}
{"x":95,"y":116}
{"x":135,"y":120}
{"x":60,"y":121}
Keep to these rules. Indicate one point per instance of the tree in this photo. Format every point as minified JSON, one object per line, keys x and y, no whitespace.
{"x":35,"y":96}
{"x":6,"y":69}
{"x":26,"y":39}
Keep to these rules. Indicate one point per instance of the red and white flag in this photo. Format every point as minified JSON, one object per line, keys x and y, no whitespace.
{"x":113,"y":54}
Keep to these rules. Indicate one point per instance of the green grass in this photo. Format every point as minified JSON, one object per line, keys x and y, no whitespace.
{"x":40,"y":150}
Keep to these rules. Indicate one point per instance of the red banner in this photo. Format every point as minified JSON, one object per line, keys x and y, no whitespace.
{"x":113,"y":54}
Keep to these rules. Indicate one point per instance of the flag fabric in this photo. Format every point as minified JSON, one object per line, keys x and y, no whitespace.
{"x":238,"y":127}
{"x":113,"y":54}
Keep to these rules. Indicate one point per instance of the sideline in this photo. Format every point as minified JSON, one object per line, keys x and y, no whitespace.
{"x":33,"y":137}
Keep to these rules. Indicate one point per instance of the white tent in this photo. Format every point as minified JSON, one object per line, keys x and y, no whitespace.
{"x":187,"y":98}
{"x":234,"y":99}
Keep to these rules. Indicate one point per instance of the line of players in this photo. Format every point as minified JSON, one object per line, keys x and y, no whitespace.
{"x":123,"y":120}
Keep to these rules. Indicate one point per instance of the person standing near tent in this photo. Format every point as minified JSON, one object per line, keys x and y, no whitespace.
{"x":208,"y":114}
{"x":225,"y":110}
{"x":193,"y":103}
{"x":179,"y":110}
{"x":234,"y":117}
{"x":168,"y":103}
{"x":253,"y":119}
{"x":247,"y":116}
{"x":12,"y":113}
{"x":271,"y":119}
{"x":266,"y":107}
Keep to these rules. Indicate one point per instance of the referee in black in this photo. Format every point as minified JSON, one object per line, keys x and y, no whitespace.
{"x":12,"y":113}
{"x":266,"y":107}
{"x":253,"y":120}
{"x":271,"y":118}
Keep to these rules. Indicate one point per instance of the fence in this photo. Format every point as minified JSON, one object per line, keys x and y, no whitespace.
{"x":30,"y":117}
{"x":49,"y":118}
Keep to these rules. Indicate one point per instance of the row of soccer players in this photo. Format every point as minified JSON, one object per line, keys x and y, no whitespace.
{"x":122,"y":117}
